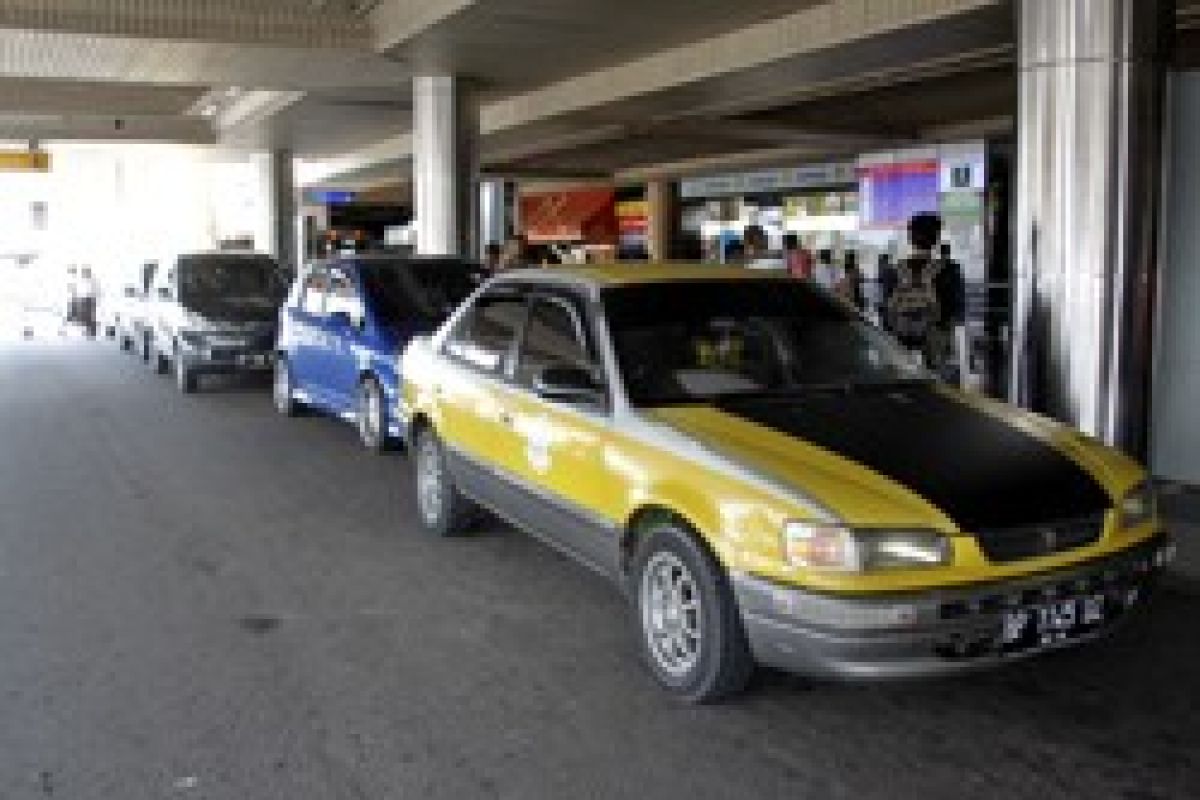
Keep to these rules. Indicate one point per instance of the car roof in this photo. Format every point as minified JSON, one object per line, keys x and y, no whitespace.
{"x":609,"y":275}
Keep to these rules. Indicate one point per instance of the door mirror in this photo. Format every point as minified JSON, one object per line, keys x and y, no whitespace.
{"x":568,"y":385}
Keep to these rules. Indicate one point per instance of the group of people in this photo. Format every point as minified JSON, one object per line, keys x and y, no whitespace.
{"x":921,"y":298}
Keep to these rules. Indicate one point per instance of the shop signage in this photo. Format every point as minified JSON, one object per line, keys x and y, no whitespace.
{"x":770,"y":180}
{"x":893,"y":193}
{"x":329,"y":197}
{"x":24,"y":161}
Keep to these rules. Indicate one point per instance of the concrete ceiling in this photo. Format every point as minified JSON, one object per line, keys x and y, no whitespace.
{"x":508,"y":46}
{"x":572,"y":87}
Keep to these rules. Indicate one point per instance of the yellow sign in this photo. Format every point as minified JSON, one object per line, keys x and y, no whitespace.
{"x":24,"y":161}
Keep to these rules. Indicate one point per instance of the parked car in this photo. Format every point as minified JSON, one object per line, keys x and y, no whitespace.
{"x":214,"y":313}
{"x":771,"y":479}
{"x":115,"y":309}
{"x":344,"y":325}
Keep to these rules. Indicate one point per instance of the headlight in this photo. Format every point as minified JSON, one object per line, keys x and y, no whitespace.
{"x":838,"y":548}
{"x":1139,"y":505}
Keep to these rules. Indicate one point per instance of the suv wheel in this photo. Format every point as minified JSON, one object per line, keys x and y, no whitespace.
{"x":371,"y":417}
{"x":443,"y":509}
{"x":690,"y":628}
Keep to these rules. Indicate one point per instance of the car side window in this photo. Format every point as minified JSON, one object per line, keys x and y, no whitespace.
{"x":554,"y":337}
{"x":312,"y":296}
{"x":342,"y":297}
{"x":486,"y":334}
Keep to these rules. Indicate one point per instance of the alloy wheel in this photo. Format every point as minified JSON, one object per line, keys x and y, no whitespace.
{"x":429,"y":480}
{"x":671,"y":612}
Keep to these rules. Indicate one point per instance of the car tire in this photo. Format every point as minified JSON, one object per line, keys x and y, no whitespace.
{"x":441,"y":507}
{"x":371,"y":416}
{"x":162,"y":365}
{"x":187,"y":380}
{"x":689,"y":626}
{"x":283,"y":391}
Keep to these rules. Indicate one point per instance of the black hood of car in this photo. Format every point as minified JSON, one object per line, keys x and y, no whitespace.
{"x":979,"y":470}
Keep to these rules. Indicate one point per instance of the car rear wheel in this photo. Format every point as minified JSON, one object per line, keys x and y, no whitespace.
{"x":443,"y":509}
{"x":690,"y":628}
{"x":284,"y":391}
{"x":372,"y":416}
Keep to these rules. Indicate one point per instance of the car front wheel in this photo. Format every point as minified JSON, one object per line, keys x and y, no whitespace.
{"x":443,"y":508}
{"x":185,"y":375}
{"x":284,"y":390}
{"x":690,"y":628}
{"x":372,"y":416}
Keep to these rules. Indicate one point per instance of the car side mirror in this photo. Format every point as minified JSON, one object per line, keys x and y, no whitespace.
{"x":568,"y":385}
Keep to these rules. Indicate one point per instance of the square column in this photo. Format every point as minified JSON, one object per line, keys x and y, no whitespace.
{"x":445,"y":166}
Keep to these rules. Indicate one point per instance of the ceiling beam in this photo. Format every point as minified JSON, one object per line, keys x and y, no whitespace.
{"x":289,"y":24}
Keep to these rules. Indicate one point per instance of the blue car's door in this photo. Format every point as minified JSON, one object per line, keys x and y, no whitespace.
{"x":345,"y":330}
{"x":303,"y":336}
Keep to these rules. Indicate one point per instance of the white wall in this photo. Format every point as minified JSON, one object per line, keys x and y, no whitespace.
{"x":1175,"y":425}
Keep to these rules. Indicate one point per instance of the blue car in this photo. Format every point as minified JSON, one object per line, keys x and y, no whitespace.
{"x":344,"y":325}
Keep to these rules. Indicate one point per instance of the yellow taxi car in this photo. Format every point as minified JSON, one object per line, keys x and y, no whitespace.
{"x":771,"y":479}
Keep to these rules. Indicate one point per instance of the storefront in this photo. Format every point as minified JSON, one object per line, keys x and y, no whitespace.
{"x":817,"y":202}
{"x":577,"y":224}
{"x":863,"y":207}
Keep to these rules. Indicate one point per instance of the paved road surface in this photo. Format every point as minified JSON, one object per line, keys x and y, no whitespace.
{"x":201,"y":600}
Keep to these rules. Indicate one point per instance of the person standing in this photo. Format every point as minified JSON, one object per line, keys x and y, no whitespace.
{"x":887,"y":284}
{"x":852,"y":281}
{"x":798,"y":259}
{"x":493,"y":257}
{"x":758,"y":255}
{"x":925,"y":307}
{"x":828,"y":274}
{"x":516,"y":252}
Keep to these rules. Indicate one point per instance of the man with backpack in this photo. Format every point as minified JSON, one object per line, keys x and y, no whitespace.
{"x":926,"y":307}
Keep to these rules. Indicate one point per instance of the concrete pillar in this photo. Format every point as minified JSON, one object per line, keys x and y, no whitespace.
{"x":493,"y":213}
{"x":661,"y":210}
{"x":1091,"y":84}
{"x":445,"y":166}
{"x":280,"y":235}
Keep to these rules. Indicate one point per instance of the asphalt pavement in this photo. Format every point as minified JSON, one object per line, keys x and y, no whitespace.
{"x":200,"y":599}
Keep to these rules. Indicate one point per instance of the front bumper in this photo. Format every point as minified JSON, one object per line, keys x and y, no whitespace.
{"x":219,"y":357}
{"x":918,"y":634}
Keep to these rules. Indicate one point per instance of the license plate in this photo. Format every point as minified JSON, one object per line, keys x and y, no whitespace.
{"x":1047,"y":623}
{"x":258,"y":360}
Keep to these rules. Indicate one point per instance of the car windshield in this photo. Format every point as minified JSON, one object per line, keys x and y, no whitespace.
{"x":696,"y":341}
{"x":426,"y":291}
{"x":243,"y":280}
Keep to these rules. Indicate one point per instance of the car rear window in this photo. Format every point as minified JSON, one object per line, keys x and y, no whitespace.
{"x":426,"y":290}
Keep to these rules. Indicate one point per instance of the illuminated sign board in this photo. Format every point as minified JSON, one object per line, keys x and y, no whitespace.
{"x":24,"y":161}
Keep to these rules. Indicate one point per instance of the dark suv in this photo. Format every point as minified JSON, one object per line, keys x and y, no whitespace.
{"x":214,"y":313}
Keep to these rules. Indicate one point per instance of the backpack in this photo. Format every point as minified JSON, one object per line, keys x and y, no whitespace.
{"x":913,"y":307}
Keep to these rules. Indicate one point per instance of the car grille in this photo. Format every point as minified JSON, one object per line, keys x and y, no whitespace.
{"x":1002,"y":545}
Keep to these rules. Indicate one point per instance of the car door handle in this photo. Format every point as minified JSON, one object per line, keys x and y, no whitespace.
{"x":506,"y":418}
